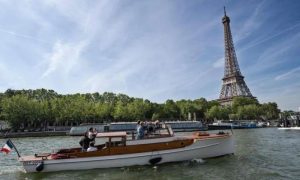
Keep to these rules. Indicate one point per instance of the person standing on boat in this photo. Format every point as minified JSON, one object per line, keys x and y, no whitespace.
{"x":140,"y":130}
{"x":138,"y":124}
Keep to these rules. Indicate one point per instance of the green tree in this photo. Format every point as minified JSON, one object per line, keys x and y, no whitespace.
{"x":218,"y":112}
{"x":242,"y":101}
{"x":121,"y":111}
{"x":185,"y":107}
{"x":137,"y":109}
{"x":270,"y":111}
{"x":37,"y":108}
{"x":171,"y":110}
{"x":249,"y":112}
{"x":201,"y":106}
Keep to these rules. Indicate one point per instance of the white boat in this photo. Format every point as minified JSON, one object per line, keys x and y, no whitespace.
{"x":240,"y":124}
{"x":159,"y":147}
{"x":289,"y":128}
{"x":177,"y":126}
{"x":291,"y":122}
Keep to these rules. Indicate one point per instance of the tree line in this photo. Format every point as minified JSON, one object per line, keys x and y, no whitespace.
{"x":24,"y":109}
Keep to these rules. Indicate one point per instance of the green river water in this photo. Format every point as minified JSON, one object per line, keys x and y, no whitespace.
{"x":266,"y":153}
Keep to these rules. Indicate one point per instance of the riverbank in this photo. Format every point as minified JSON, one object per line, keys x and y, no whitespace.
{"x":33,"y":134}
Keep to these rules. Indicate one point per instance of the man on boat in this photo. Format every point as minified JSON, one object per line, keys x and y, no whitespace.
{"x":84,"y":142}
{"x":92,"y":134}
{"x":140,"y":130}
{"x":138,"y":124}
{"x":157,"y":124}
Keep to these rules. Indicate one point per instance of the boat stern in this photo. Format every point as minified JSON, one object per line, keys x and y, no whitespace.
{"x":214,"y":145}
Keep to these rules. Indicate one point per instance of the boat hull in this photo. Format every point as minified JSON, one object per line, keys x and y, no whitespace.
{"x":201,"y":148}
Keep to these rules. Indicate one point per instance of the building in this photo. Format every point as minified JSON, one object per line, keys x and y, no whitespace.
{"x":233,"y":80}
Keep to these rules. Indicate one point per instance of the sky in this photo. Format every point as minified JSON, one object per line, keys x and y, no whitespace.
{"x":151,"y":49}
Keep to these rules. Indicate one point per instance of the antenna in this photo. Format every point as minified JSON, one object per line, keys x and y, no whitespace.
{"x":224,"y":11}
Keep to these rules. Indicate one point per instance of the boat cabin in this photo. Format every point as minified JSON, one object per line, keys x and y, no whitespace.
{"x":118,"y":143}
{"x":114,"y":138}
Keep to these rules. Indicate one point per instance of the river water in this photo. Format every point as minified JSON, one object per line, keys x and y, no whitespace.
{"x":266,"y":153}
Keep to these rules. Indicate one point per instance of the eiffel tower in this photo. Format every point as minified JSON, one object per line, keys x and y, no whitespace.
{"x":233,"y":80}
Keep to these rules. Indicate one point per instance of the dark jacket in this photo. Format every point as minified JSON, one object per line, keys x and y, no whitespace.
{"x":84,"y":142}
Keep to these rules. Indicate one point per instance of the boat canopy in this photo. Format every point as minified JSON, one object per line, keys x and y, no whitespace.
{"x":111,"y":134}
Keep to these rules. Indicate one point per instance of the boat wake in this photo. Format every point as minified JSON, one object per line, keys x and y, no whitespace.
{"x":199,"y":161}
{"x":10,"y":170}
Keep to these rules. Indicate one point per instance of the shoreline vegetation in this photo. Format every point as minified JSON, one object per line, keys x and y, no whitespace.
{"x":40,"y":109}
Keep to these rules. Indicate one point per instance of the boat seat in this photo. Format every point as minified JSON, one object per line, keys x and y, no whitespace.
{"x":42,"y":155}
{"x":107,"y":144}
{"x":114,"y":144}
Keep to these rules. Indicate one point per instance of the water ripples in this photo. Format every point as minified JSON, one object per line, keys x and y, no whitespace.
{"x":260,"y":154}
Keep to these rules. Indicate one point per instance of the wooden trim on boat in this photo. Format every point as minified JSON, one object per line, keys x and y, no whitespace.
{"x":130,"y":149}
{"x":209,"y":136}
{"x":116,"y":150}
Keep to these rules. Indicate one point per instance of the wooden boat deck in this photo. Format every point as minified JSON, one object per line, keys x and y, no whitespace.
{"x":204,"y":135}
{"x":31,"y":158}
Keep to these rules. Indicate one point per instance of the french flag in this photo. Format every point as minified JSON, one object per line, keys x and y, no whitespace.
{"x":7,"y":147}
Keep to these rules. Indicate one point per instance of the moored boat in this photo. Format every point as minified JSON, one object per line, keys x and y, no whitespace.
{"x":291,"y":122}
{"x":160,"y":146}
{"x":289,"y":128}
{"x":177,"y":126}
{"x":219,"y":125}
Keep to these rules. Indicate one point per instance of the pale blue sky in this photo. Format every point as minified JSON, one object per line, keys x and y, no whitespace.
{"x":157,"y":50}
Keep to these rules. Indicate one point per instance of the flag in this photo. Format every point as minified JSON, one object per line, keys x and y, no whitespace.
{"x":7,"y":147}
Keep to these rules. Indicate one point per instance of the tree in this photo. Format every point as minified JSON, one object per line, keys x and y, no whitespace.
{"x":137,"y":109}
{"x":242,"y":101}
{"x":185,"y":107}
{"x":18,"y":111}
{"x":218,"y":112}
{"x":201,"y":106}
{"x":270,"y":111}
{"x":38,"y":108}
{"x":249,"y":112}
{"x":171,"y":110}
{"x":121,"y":111}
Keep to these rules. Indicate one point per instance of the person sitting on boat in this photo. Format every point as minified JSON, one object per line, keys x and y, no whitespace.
{"x":91,"y":133}
{"x":84,"y":142}
{"x":157,"y":124}
{"x":92,"y":147}
{"x":140,"y":131}
{"x":151,"y":127}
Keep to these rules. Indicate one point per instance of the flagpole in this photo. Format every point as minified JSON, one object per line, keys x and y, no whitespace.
{"x":15,"y":148}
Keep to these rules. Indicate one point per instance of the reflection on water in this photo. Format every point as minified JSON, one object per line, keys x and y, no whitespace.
{"x":260,"y":154}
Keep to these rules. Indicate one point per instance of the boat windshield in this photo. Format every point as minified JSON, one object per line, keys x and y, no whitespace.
{"x":111,"y":134}
{"x":114,"y":138}
{"x":170,"y":130}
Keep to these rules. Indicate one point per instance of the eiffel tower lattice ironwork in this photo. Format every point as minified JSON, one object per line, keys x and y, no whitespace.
{"x":233,"y":81}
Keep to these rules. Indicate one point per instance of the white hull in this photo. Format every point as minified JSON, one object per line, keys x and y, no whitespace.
{"x":289,"y":128}
{"x":199,"y":149}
